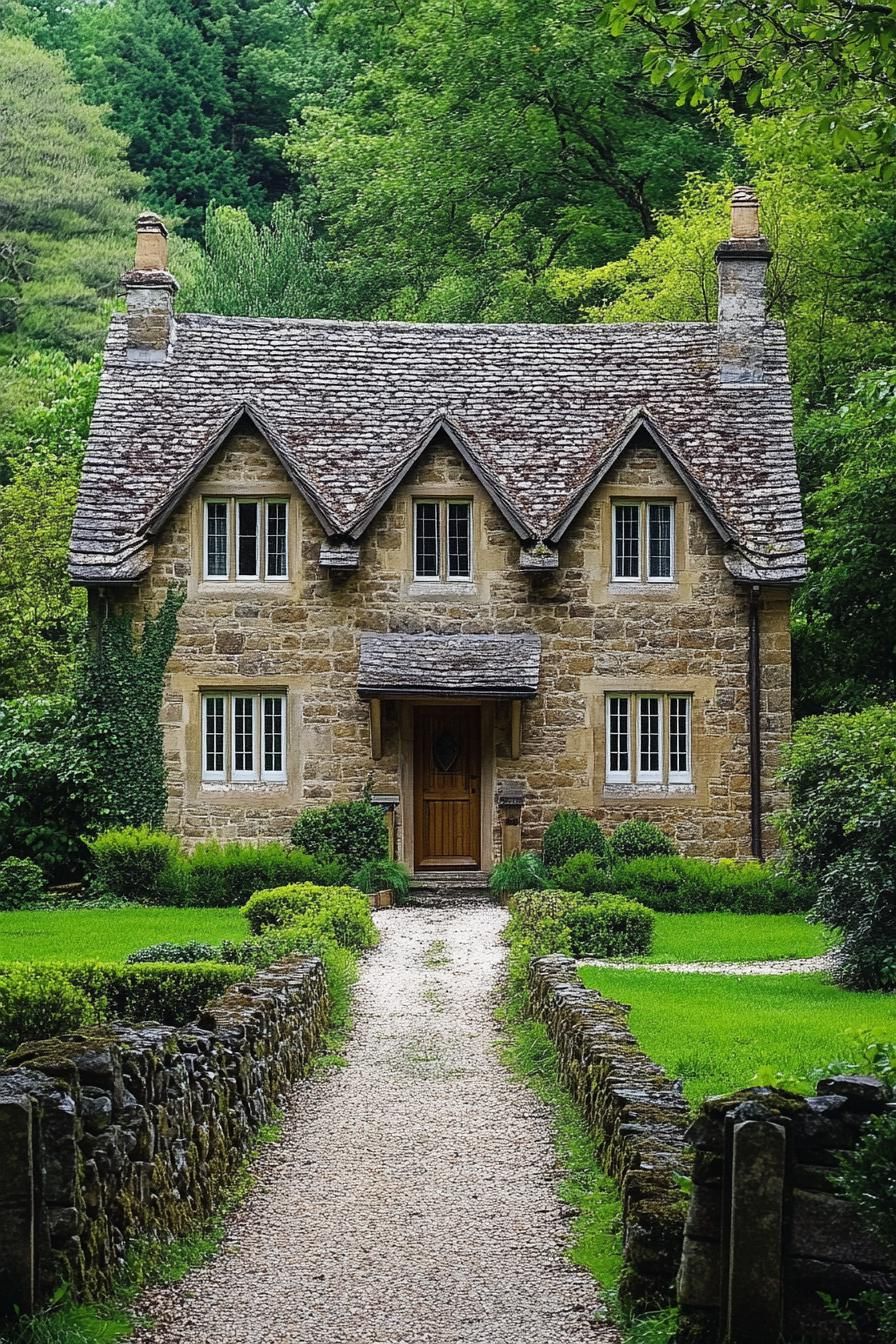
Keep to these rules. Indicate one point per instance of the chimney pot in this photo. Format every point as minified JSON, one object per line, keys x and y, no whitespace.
{"x":152,"y":243}
{"x":744,"y":213}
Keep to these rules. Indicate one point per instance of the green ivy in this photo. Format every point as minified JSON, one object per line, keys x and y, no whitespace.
{"x":116,"y":719}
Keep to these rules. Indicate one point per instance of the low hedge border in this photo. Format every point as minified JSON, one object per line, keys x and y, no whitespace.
{"x":636,"y":1115}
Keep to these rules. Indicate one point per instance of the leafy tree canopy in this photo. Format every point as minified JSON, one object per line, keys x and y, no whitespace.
{"x":67,"y":204}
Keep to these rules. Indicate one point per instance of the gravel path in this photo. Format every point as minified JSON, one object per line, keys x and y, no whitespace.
{"x":413,"y":1196}
{"x":796,"y":965}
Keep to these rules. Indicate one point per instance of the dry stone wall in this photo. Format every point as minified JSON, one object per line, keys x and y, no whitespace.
{"x":302,"y":636}
{"x":120,"y":1131}
{"x":636,"y":1115}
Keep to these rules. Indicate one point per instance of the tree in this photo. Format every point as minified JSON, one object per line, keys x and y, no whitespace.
{"x":831,"y":62}
{"x":465,"y":149}
{"x":67,"y":204}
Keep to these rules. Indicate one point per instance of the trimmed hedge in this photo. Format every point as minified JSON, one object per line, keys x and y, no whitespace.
{"x":695,"y":886}
{"x":572,"y":833}
{"x":341,"y":913}
{"x":636,"y":839}
{"x":349,"y":833}
{"x":40,"y":1001}
{"x":22,"y":884}
{"x":136,"y":863}
{"x":610,"y":926}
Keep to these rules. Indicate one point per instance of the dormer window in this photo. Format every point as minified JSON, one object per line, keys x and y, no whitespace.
{"x":246,"y":539}
{"x":443,"y":540}
{"x":643,"y":541}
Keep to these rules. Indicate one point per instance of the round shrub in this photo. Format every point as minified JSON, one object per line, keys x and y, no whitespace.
{"x":518,"y":872}
{"x":572,"y":833}
{"x":173,"y":952}
{"x":584,"y":873}
{"x":37,"y":1002}
{"x":342,"y":913}
{"x":610,"y":926}
{"x":21,"y":884}
{"x":639,"y":840}
{"x":349,"y":833}
{"x":136,"y":863}
{"x":531,"y":907}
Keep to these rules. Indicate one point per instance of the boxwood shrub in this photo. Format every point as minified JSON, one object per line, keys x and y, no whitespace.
{"x":693,"y":886}
{"x":342,"y":913}
{"x":22,"y":884}
{"x":183,"y":952}
{"x":584,"y":873}
{"x":571,"y":833}
{"x":135,"y":863}
{"x":637,"y":839}
{"x":610,"y":926}
{"x":349,"y":833}
{"x":40,"y":1001}
{"x":169,"y":992}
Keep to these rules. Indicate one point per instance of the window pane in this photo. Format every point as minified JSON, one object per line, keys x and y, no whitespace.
{"x":273,"y":734}
{"x":627,"y":541}
{"x":243,"y":735}
{"x":246,"y":539}
{"x":214,"y":735}
{"x":216,"y":540}
{"x":649,"y":736}
{"x":459,"y":541}
{"x":660,"y":541}
{"x":276,"y":540}
{"x":618,"y":755}
{"x":679,"y":736}
{"x":427,"y":540}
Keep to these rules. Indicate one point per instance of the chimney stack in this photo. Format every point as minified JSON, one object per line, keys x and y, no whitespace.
{"x":742,"y":263}
{"x":149,"y":294}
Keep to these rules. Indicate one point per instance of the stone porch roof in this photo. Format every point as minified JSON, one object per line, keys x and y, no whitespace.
{"x":497,"y":666}
{"x":539,"y":413}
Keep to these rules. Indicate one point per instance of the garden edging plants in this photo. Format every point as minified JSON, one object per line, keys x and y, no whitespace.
{"x":120,"y":1131}
{"x":637,"y":1116}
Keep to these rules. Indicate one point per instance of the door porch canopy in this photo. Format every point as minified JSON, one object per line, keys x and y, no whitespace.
{"x":494,"y":667}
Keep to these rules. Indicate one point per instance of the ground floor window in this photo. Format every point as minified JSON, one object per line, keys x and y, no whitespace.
{"x":648,"y":738}
{"x":243,"y":736}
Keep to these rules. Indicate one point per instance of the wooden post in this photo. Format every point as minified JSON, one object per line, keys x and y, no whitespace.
{"x":516,"y":726}
{"x":376,"y":729}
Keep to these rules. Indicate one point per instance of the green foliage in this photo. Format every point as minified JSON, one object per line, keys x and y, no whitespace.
{"x":688,"y":886}
{"x":572,"y":833}
{"x":118,"y":701}
{"x":868,"y":1176}
{"x":350,"y":833}
{"x":37,"y":1002}
{"x":22,"y":883}
{"x":584,"y":873}
{"x":639,"y":840}
{"x":45,"y":785}
{"x":341,"y":913}
{"x":228,"y":874}
{"x":518,"y":872}
{"x":169,"y":992}
{"x":136,"y":863}
{"x":840,"y":832}
{"x":68,"y":204}
{"x":382,"y":875}
{"x":173,"y":952}
{"x":610,"y":926}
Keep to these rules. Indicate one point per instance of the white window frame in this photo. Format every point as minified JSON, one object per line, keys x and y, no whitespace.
{"x":258,"y":774}
{"x":643,"y":506}
{"x":442,"y":557}
{"x":664,"y":504}
{"x":239,"y":502}
{"x":216,"y":578}
{"x":666,"y":776}
{"x":268,"y":503}
{"x":214,"y":776}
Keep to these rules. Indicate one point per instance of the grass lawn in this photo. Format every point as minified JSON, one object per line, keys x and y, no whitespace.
{"x":725,"y":937}
{"x":108,"y":935}
{"x":715,"y":1031}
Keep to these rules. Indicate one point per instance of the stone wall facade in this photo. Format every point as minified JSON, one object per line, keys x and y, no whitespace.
{"x":301,"y":636}
{"x":636,"y":1115}
{"x":120,"y":1131}
{"x":801,"y":1241}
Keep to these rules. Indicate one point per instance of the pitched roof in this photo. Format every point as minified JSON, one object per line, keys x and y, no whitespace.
{"x":539,"y":413}
{"x":487,"y":665}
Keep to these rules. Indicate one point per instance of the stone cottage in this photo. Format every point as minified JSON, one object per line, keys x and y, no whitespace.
{"x":490,"y":570}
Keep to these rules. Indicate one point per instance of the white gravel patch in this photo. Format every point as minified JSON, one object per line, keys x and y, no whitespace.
{"x":413,"y":1196}
{"x":794,"y":966}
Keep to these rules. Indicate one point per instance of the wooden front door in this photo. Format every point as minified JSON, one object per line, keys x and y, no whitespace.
{"x":446,"y":786}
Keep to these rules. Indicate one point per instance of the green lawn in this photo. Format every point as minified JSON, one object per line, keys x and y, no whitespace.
{"x":715,"y":1031}
{"x":108,"y":935}
{"x":724,"y":937}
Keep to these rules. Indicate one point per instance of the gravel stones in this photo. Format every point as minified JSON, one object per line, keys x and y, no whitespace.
{"x":413,"y":1196}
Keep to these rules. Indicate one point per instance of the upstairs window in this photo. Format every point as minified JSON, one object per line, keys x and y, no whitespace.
{"x":246,"y":538}
{"x":243,"y":737}
{"x":443,"y":539}
{"x":648,"y":739}
{"x":643,"y":541}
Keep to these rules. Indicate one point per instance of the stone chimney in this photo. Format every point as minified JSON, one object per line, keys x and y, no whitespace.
{"x":742,"y":262}
{"x":149,"y":293}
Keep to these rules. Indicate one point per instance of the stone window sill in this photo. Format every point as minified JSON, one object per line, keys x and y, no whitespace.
{"x":650,"y":790}
{"x":440,"y":591}
{"x":669,"y":589}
